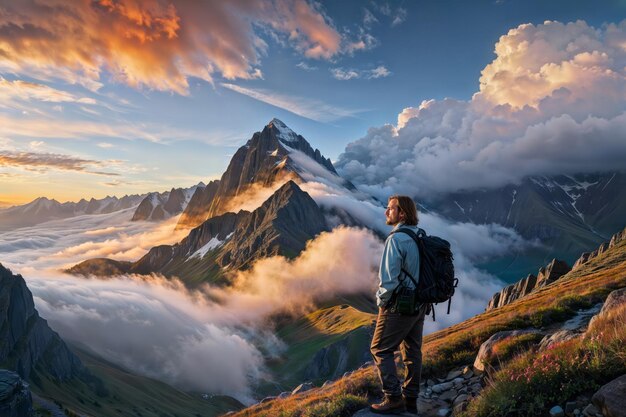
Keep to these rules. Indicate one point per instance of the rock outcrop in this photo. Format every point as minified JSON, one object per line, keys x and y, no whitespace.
{"x":546,"y":275}
{"x":486,"y":351}
{"x":588,"y":256}
{"x":15,"y":397}
{"x":611,"y":398}
{"x":27,"y":341}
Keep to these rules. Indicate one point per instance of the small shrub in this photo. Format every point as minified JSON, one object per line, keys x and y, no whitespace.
{"x":508,"y":348}
{"x":574,"y":302}
{"x":546,"y":316}
{"x":343,"y":405}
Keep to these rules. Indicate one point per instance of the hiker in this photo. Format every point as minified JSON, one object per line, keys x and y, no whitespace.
{"x":393,"y":329}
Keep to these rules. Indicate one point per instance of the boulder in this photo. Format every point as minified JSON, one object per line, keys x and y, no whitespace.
{"x":557,"y":337}
{"x":453,"y":374}
{"x":611,"y":398}
{"x":439,"y":388}
{"x":486,"y":349}
{"x":15,"y":397}
{"x":449,"y":395}
{"x":302,"y":388}
{"x":615,"y":299}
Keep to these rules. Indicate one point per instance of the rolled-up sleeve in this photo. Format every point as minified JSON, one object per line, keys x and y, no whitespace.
{"x":390,"y":268}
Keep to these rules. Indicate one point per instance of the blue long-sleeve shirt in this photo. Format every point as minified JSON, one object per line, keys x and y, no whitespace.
{"x":400,"y":252}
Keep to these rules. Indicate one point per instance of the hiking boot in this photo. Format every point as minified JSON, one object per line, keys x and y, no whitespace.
{"x":390,"y":405}
{"x":411,"y":404}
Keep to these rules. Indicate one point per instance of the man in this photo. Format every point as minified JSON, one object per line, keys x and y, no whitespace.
{"x":394,"y":330}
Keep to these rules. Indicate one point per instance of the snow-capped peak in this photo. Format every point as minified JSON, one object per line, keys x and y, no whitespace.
{"x":285,"y":134}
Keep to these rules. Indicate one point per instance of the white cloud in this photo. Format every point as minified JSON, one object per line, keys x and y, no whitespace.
{"x":552,"y":102}
{"x":308,"y":108}
{"x":343,"y":74}
{"x":303,"y":65}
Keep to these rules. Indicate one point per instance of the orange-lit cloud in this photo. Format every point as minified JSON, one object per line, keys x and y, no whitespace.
{"x":535,"y":61}
{"x":24,"y":90}
{"x":152,"y":43}
{"x":50,"y":160}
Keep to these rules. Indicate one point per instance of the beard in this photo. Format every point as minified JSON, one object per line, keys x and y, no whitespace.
{"x":391,"y":222}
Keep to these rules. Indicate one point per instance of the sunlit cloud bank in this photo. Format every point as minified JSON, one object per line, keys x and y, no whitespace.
{"x":159,"y":45}
{"x":552,"y":102}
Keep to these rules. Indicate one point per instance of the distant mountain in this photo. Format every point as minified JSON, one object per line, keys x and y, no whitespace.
{"x":280,"y":226}
{"x":566,"y":214}
{"x":160,"y":206}
{"x":43,"y":209}
{"x":274,"y":155}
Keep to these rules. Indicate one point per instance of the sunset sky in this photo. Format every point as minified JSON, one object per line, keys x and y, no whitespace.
{"x":112,"y":97}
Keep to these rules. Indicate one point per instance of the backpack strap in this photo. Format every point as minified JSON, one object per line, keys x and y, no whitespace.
{"x":416,"y":238}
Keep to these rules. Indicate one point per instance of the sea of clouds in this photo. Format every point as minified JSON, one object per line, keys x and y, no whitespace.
{"x":216,"y":339}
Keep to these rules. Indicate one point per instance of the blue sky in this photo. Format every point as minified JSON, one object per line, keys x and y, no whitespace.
{"x":138,"y":126}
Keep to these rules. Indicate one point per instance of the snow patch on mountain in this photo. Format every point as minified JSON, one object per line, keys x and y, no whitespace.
{"x":211,"y":244}
{"x":285,"y":134}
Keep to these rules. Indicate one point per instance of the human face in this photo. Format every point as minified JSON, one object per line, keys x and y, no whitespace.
{"x":393,"y":214}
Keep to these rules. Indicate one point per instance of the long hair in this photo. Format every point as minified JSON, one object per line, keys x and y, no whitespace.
{"x":407,"y":206}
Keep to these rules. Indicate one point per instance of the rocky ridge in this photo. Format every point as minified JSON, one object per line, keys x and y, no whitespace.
{"x":588,"y":256}
{"x":546,"y":275}
{"x":280,"y":226}
{"x":160,"y":206}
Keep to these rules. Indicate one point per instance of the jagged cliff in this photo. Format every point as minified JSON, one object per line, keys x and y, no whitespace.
{"x":26,"y":341}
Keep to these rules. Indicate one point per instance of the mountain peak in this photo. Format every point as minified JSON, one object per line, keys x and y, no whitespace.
{"x":283,"y":132}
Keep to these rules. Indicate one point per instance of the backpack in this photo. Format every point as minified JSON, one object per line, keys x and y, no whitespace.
{"x":436,"y":275}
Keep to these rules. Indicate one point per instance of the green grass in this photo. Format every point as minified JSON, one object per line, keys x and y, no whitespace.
{"x":127,"y":394}
{"x":315,"y":331}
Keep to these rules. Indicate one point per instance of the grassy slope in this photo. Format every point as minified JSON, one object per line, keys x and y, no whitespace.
{"x":307,"y":335}
{"x":459,"y":344}
{"x":128,"y":395}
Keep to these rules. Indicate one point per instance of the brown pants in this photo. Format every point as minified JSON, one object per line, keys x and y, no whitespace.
{"x":394,"y":330}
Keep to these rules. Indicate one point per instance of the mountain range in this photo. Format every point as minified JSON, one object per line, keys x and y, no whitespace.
{"x":43,"y":209}
{"x":231,"y":241}
{"x":160,"y":206}
{"x":564,"y":214}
